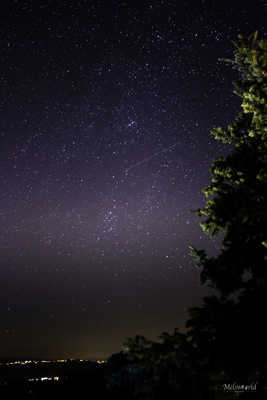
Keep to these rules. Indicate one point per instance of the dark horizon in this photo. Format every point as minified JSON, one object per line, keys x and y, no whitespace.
{"x":106,"y":113}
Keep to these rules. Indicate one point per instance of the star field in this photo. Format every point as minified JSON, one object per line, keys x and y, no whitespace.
{"x":105,"y":116}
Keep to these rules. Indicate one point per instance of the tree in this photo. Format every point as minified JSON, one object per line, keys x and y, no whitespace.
{"x":228,"y":328}
{"x":237,"y":196}
{"x":165,"y":367}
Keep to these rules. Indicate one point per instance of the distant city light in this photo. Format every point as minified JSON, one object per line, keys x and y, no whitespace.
{"x":44,"y":379}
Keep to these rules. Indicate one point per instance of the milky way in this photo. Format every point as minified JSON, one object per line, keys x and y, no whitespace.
{"x":105,"y":147}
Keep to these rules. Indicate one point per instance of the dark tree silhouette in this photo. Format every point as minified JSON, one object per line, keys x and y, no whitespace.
{"x":228,"y":329}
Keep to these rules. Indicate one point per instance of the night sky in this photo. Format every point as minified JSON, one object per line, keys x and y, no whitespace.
{"x":106,"y":108}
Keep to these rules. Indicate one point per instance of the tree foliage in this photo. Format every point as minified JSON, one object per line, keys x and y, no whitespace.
{"x":228,"y":328}
{"x":237,"y":195}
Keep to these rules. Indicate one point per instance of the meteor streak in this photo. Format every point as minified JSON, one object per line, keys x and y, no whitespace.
{"x":145,"y":160}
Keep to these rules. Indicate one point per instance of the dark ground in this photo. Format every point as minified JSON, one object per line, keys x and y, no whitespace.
{"x":77,"y":379}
